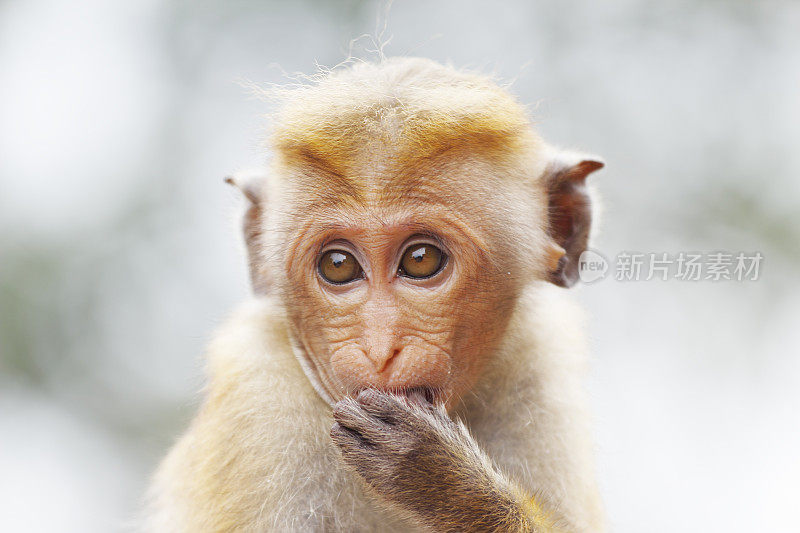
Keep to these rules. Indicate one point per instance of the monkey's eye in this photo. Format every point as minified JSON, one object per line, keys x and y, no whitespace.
{"x":421,"y":261}
{"x":339,"y":267}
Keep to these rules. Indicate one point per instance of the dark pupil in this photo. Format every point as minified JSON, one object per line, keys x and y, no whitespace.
{"x":419,"y":254}
{"x":337,"y":259}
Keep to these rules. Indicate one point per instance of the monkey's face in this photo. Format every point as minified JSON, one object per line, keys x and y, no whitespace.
{"x":397,"y":293}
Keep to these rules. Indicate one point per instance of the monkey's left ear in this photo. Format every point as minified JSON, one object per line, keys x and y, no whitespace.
{"x":251,"y":185}
{"x":569,"y":213}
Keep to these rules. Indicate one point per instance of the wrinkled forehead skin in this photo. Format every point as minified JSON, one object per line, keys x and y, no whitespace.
{"x":462,"y":195}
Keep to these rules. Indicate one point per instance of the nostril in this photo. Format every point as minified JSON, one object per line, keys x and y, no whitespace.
{"x":384,"y":362}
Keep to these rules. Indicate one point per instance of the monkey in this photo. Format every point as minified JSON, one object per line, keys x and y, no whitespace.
{"x":411,"y":359}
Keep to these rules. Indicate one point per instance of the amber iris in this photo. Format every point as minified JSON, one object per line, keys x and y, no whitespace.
{"x":421,"y":261}
{"x":338,"y":267}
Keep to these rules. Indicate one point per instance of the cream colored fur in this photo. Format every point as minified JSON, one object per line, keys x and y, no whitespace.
{"x":258,"y":456}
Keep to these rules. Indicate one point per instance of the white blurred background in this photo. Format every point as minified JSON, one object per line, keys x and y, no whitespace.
{"x":119,"y":246}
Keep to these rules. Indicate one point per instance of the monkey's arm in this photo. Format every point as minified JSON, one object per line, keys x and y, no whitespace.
{"x":429,"y":468}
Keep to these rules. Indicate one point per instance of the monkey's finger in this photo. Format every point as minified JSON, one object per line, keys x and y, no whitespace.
{"x":382,"y":405}
{"x":348,"y":412}
{"x":347,"y":438}
{"x":357,"y":453}
{"x":351,"y":415}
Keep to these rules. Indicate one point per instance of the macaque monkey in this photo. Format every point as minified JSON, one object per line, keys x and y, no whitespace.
{"x":411,"y":361}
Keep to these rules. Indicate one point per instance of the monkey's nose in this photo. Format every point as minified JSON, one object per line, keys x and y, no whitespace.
{"x":381,"y":358}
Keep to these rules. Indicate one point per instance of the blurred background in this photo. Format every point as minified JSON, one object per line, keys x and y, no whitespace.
{"x":119,"y":245}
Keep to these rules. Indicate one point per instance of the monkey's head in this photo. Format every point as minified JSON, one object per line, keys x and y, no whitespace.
{"x":407,"y":206}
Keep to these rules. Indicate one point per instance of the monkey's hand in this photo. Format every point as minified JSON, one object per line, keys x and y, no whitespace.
{"x":428,"y":467}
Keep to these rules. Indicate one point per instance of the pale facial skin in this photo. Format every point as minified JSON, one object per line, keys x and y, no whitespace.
{"x":396,"y":324}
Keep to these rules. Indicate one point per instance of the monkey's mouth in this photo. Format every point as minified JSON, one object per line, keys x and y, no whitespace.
{"x":419,"y":395}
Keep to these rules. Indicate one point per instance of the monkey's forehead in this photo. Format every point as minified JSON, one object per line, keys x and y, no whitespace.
{"x":413,"y":107}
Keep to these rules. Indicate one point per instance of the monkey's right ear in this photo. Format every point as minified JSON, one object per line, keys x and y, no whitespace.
{"x":252,"y":185}
{"x":569,"y":213}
